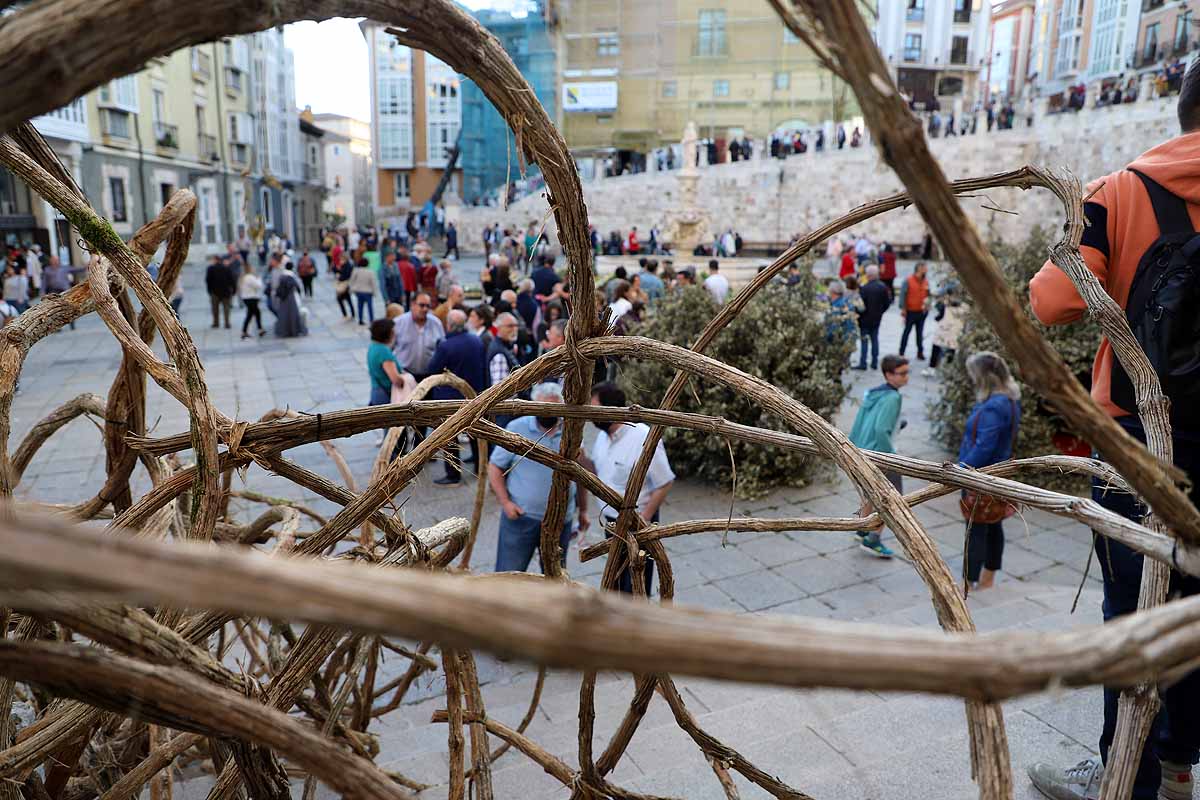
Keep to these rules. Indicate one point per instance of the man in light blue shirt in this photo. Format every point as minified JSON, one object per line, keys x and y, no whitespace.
{"x":523,"y":489}
{"x":652,"y":285}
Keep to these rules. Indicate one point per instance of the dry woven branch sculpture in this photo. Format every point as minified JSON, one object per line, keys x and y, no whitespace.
{"x":157,"y":617}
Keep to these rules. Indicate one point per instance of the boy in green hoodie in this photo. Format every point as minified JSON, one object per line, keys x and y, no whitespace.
{"x":877,"y":421}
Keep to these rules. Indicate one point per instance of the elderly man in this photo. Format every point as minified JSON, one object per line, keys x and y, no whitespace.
{"x":453,"y":299}
{"x":523,"y":486}
{"x":612,"y":457}
{"x":502,"y":354}
{"x":417,"y":335}
{"x":461,"y":354}
{"x":556,"y":335}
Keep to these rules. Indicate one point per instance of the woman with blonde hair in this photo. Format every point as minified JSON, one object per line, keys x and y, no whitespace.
{"x":989,"y":438}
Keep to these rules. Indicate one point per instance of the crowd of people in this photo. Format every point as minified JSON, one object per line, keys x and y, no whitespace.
{"x":29,"y":274}
{"x":281,"y":283}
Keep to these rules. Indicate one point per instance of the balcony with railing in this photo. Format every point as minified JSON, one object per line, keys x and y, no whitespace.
{"x":166,"y":136}
{"x":1151,"y":54}
{"x":234,"y":82}
{"x":206,"y":146}
{"x":915,"y":14}
{"x":201,"y":65}
{"x":912,"y":54}
{"x":962,"y":15}
{"x":312,"y":173}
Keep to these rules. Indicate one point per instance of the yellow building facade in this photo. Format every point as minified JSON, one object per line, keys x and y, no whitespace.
{"x":635,"y":72}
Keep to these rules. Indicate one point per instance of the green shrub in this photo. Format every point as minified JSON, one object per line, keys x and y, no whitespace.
{"x":1076,"y":343}
{"x":779,"y":337}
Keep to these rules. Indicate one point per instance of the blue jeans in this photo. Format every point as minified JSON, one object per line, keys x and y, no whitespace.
{"x":520,"y":537}
{"x":1175,"y":735}
{"x":914,"y":320}
{"x":365,"y":300}
{"x":869,"y":336}
{"x":379,"y":395}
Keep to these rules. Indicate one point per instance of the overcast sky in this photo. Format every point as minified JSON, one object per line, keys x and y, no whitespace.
{"x":332,"y":73}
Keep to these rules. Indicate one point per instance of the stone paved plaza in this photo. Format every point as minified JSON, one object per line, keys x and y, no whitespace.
{"x":830,"y":744}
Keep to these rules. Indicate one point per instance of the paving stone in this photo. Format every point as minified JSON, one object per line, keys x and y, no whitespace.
{"x":773,"y":550}
{"x":819,"y":574}
{"x":1059,"y":547}
{"x":708,"y":596}
{"x":722,"y":562}
{"x":1077,"y":714}
{"x":858,"y":602}
{"x":760,"y":590}
{"x":805,"y":607}
{"x":1020,"y":562}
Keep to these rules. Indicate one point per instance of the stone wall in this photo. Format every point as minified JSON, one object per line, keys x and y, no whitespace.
{"x":768,"y":200}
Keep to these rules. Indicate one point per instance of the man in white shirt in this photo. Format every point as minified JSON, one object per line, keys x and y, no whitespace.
{"x":862,"y":250}
{"x":716,"y":283}
{"x":613,"y":456}
{"x":33,"y":266}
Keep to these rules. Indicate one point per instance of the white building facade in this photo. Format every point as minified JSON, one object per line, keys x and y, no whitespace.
{"x":66,"y":131}
{"x":349,"y":171}
{"x":279,"y":160}
{"x":937,"y":50}
{"x":1113,"y":38}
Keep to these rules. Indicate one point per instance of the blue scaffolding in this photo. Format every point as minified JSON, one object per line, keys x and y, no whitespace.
{"x":489,"y":155}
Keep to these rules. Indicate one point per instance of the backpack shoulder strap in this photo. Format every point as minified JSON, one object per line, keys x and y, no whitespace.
{"x":1170,"y":210}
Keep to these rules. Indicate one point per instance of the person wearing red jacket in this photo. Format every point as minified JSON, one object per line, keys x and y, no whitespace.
{"x":848,"y":267}
{"x":632,"y":246}
{"x":1127,"y":212}
{"x":408,"y":274}
{"x":887,"y":267}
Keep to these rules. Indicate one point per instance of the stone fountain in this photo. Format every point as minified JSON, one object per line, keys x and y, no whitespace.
{"x":688,"y":224}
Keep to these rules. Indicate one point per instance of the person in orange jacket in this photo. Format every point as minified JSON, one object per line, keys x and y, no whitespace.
{"x":914,"y":307}
{"x":1128,"y":213}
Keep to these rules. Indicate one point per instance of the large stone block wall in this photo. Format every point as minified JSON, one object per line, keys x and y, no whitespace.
{"x":768,"y":200}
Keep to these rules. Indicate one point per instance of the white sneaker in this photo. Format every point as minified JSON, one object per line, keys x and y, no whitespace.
{"x":1080,"y":782}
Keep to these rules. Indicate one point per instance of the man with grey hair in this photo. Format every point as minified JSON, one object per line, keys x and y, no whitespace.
{"x":523,"y":486}
{"x":461,"y":354}
{"x":875,"y":300}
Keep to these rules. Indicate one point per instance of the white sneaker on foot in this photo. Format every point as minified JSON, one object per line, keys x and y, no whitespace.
{"x":1080,"y":782}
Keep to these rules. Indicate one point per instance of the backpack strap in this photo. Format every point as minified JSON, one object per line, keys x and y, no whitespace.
{"x":1170,"y":210}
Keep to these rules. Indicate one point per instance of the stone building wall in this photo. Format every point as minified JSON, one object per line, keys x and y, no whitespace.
{"x":768,"y":200}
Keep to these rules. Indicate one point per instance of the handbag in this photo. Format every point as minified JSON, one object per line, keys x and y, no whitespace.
{"x":342,"y":287}
{"x":986,"y":508}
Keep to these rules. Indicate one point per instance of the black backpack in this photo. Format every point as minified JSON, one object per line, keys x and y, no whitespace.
{"x":1163,"y":310}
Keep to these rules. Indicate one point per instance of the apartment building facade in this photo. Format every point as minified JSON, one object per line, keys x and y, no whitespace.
{"x":349,"y":169}
{"x":1011,"y":50}
{"x":1090,"y":42}
{"x":1166,"y":31}
{"x":937,"y":50}
{"x":416,"y":107}
{"x":635,"y":72}
{"x":194,"y":118}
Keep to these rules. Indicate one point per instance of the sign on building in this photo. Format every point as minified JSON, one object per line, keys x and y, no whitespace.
{"x":590,"y":96}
